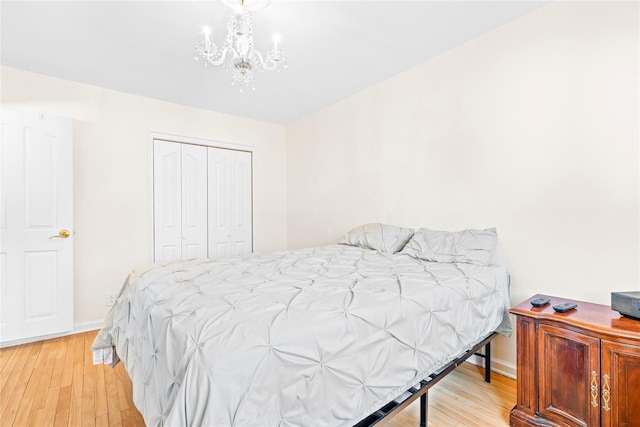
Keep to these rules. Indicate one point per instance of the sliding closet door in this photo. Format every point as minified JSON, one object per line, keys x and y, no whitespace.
{"x":230,"y":202}
{"x":167,"y":200}
{"x":194,"y":201}
{"x":180,"y":201}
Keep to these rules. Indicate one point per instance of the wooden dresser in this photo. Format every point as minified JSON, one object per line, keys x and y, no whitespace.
{"x":579,"y":368}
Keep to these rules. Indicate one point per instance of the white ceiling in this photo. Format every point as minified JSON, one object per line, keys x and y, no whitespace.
{"x":335,"y":48}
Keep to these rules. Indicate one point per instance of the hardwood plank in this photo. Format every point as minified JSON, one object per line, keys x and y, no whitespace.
{"x":58,"y":367}
{"x":113,"y":404}
{"x":75,"y":406}
{"x":102,"y":421}
{"x":75,"y":409}
{"x":88,"y":387}
{"x":67,"y":371}
{"x":32,"y":421}
{"x":45,"y":364}
{"x":10,"y":378}
{"x":63,"y":406}
{"x":26,"y":402}
{"x":16,"y":386}
{"x":48,"y":412}
{"x":101,"y":390}
{"x":115,"y":419}
{"x":123,"y":383}
{"x":127,"y":417}
{"x":8,"y":357}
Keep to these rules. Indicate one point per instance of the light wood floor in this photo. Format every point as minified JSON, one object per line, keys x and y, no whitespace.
{"x":54,"y":383}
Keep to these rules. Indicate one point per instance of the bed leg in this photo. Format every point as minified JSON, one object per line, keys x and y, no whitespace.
{"x":487,"y":362}
{"x":424,"y":409}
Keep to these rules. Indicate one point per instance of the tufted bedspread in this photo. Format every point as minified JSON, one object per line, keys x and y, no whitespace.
{"x":313,"y":337}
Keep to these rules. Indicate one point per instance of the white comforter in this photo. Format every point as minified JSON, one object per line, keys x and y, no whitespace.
{"x":313,"y":337}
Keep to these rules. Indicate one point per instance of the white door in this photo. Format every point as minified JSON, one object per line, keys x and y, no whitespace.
{"x":180,"y":201}
{"x":194,"y":201}
{"x":230,"y":202}
{"x":36,"y":226}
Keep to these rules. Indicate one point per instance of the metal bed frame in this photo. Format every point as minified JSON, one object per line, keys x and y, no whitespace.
{"x":421,"y":390}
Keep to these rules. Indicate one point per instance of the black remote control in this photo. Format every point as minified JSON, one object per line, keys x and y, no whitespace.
{"x":564,"y":307}
{"x":539,"y":302}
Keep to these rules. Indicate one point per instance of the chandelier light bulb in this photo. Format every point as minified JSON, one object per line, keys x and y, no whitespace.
{"x":277,"y":38}
{"x":206,"y":31}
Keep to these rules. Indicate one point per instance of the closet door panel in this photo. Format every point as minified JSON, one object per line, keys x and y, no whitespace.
{"x":194,"y":201}
{"x":219,"y":202}
{"x":230,"y":202}
{"x":167,"y":195}
{"x":242,"y":209}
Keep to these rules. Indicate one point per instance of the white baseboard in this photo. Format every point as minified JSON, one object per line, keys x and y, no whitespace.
{"x":78,"y":328}
{"x":498,"y":366}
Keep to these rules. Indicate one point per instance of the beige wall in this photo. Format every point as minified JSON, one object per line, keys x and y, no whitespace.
{"x":111,"y":175}
{"x":532,"y":128}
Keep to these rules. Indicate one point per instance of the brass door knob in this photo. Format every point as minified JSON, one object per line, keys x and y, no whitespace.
{"x":63,"y":234}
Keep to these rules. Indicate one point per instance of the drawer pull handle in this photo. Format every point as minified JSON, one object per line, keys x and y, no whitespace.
{"x":594,"y":389}
{"x":606,"y":393}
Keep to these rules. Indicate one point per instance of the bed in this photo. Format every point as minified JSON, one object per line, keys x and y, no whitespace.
{"x":320,"y":336}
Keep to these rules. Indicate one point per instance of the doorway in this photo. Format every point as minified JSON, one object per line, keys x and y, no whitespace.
{"x":36,"y":226}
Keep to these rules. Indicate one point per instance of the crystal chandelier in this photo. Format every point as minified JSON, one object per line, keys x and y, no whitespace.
{"x":238,"y":52}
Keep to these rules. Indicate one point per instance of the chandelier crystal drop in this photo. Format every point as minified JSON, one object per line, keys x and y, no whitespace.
{"x":238,"y":53}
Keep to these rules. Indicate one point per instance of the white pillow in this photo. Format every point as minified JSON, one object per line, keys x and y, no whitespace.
{"x":468,"y":246}
{"x":379,"y":237}
{"x":498,"y":259}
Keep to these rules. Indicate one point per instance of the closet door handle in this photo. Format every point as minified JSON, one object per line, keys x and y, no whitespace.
{"x":594,"y":389}
{"x":606,"y":393}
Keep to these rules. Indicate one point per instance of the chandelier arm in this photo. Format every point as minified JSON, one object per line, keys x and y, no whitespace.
{"x":265,"y":64}
{"x":258,"y":55}
{"x":221,"y":58}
